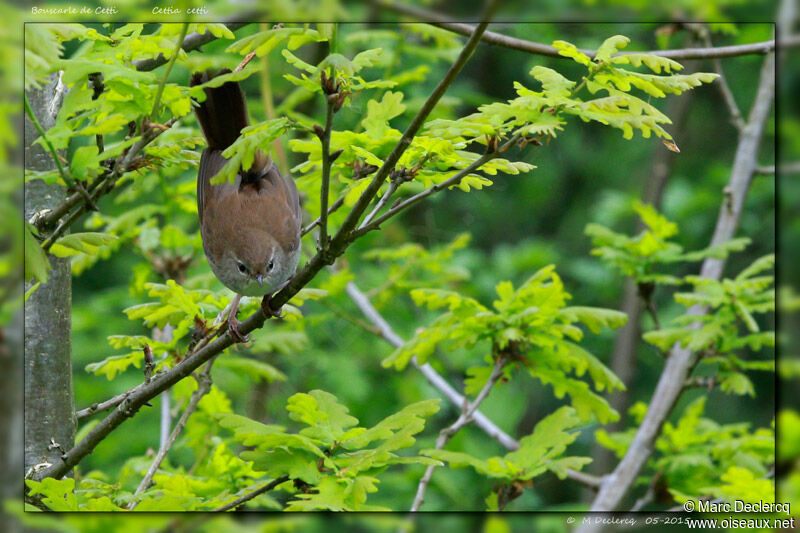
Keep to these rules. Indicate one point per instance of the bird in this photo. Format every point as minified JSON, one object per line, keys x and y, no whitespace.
{"x":251,"y":227}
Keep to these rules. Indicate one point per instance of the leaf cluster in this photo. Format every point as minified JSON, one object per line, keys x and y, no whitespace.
{"x":533,"y":326}
{"x":333,"y":463}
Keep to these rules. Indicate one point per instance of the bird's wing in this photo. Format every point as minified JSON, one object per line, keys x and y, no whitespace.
{"x":211,"y":162}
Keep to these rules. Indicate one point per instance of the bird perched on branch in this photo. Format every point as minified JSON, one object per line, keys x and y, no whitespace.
{"x":251,"y":227}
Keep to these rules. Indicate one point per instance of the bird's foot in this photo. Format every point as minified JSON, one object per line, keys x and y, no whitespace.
{"x":267,"y":309}
{"x":233,"y":330}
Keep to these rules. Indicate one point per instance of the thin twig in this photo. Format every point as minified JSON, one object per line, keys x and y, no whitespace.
{"x":103,"y":406}
{"x":64,"y":176}
{"x":267,"y":101}
{"x":167,"y":70}
{"x":650,"y":305}
{"x":785,"y":168}
{"x":447,"y":433}
{"x":249,"y":57}
{"x":385,"y":198}
{"x":249,"y":496}
{"x":650,"y":495}
{"x":203,"y":386}
{"x":325,"y":139}
{"x":336,"y":205}
{"x":445,"y":22}
{"x":105,"y":182}
{"x":722,"y":84}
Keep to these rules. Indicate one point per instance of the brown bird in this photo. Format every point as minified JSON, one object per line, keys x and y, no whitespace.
{"x":251,"y":227}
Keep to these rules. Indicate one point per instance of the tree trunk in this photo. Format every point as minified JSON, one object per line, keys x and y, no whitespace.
{"x":49,"y":411}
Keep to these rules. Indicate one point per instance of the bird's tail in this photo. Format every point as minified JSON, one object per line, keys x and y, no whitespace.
{"x":223,"y":114}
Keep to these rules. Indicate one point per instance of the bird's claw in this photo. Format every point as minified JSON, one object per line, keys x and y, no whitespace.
{"x":233,"y":330}
{"x":268,"y":311}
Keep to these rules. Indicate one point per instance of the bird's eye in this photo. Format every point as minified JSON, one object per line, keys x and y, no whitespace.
{"x":242,"y":268}
{"x":270,"y":265}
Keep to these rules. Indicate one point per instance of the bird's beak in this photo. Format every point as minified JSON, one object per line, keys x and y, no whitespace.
{"x":260,"y":280}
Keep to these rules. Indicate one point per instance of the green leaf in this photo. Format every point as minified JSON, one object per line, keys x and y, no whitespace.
{"x":327,"y":419}
{"x":81,"y":243}
{"x":569,"y":50}
{"x":376,"y":122}
{"x":37,"y":265}
{"x":539,"y":452}
{"x":411,"y":418}
{"x":57,"y":494}
{"x":115,"y":364}
{"x":595,"y":318}
{"x":553,"y":83}
{"x":241,"y":154}
{"x":265,"y":41}
{"x":736,"y":383}
{"x":258,"y":371}
{"x":610,"y":47}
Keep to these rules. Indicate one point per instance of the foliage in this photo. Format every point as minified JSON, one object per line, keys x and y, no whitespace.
{"x":640,"y":256}
{"x":330,"y":461}
{"x":698,"y":457}
{"x":533,"y":327}
{"x":541,"y":114}
{"x":731,"y":302}
{"x":539,"y":452}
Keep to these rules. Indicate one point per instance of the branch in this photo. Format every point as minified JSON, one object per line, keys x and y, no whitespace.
{"x":447,"y":433}
{"x":681,"y":360}
{"x":786,"y":168}
{"x":104,"y":406}
{"x":385,"y":198}
{"x":102,"y":185}
{"x":203,"y":386}
{"x":444,"y":22}
{"x":722,"y":85}
{"x":247,"y":497}
{"x":336,"y":205}
{"x":439,"y":383}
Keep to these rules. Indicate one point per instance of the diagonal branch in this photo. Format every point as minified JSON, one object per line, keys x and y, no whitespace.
{"x":250,"y":495}
{"x":681,"y":360}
